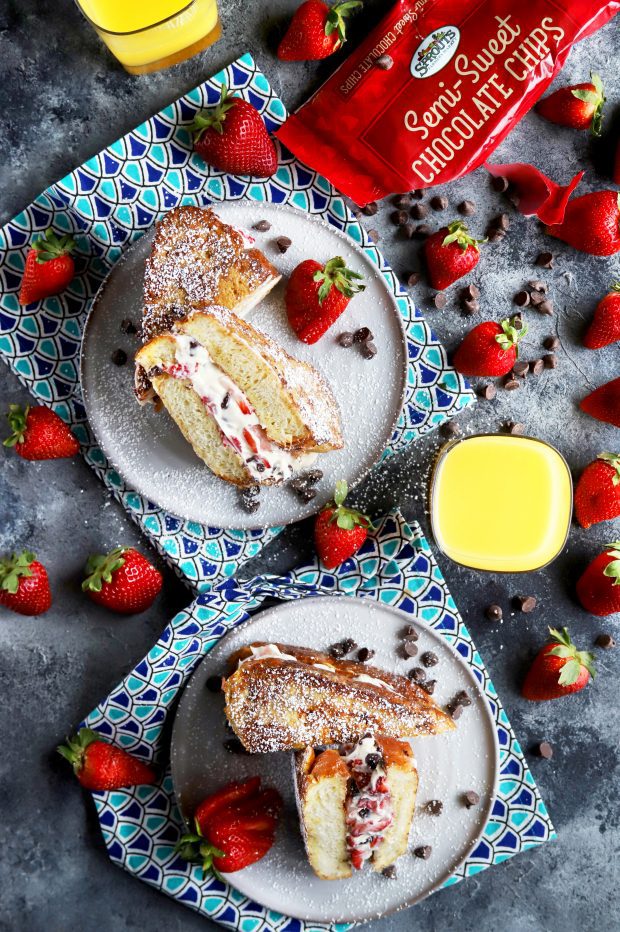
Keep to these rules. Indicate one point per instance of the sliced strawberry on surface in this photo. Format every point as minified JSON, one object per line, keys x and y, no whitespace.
{"x":239,"y":848}
{"x":316,"y":296}
{"x":123,"y":581}
{"x":598,"y":589}
{"x":316,"y":31}
{"x":597,"y":494}
{"x":450,"y":253}
{"x":232,"y":794}
{"x":604,"y":403}
{"x":604,"y":328}
{"x":591,"y":223}
{"x":559,"y":669}
{"x":233,"y":138}
{"x":339,"y":532}
{"x":268,"y":801}
{"x":579,"y":106}
{"x":24,"y":584}
{"x":99,"y":765}
{"x":39,"y":434}
{"x":49,"y":267}
{"x":489,"y":349}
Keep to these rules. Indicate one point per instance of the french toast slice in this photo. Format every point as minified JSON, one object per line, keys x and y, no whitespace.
{"x":280,"y":697}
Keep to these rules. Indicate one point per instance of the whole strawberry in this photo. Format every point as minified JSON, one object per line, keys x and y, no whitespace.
{"x":49,"y":267}
{"x":316,"y":31}
{"x":101,"y":766}
{"x":604,"y":403}
{"x":605,"y":326}
{"x":24,"y":586}
{"x":123,"y":581}
{"x":450,"y":253}
{"x":597,"y":495}
{"x":579,"y":106}
{"x":598,"y":589}
{"x":233,"y":138}
{"x":39,"y":434}
{"x":591,"y":223}
{"x":339,"y":532}
{"x":489,"y":349}
{"x":316,"y":296}
{"x":559,"y":669}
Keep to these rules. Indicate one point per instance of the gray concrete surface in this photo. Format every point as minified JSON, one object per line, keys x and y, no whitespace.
{"x":63,"y":99}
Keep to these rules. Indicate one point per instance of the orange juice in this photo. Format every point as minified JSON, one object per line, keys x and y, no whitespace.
{"x":501,"y":503}
{"x":149,"y":34}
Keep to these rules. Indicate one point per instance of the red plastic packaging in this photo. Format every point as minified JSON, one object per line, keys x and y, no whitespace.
{"x":464,"y":72}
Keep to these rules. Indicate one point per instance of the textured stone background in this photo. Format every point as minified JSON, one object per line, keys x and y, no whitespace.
{"x":64,"y":99}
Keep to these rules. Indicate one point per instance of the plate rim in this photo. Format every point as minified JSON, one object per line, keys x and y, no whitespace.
{"x":411,"y":618}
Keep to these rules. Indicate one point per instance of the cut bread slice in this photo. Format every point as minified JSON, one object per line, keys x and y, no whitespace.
{"x":320,"y":791}
{"x":197,"y":259}
{"x":280,"y":697}
{"x":251,"y":412}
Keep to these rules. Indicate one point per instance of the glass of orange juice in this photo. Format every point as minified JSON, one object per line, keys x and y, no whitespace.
{"x":146,"y":35}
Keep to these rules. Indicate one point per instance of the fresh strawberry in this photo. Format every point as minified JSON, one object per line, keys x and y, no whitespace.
{"x":315,"y":31}
{"x":123,"y":581}
{"x":233,"y":794}
{"x":450,"y":253}
{"x":49,"y":267}
{"x":39,"y":434}
{"x":605,"y":326}
{"x":591,"y":223}
{"x":604,"y":403}
{"x":489,"y":349}
{"x":597,"y":495}
{"x":579,"y":106}
{"x":316,"y":296}
{"x":24,"y":586}
{"x":101,"y":766}
{"x":233,"y":138}
{"x":558,"y":669}
{"x":339,"y":532}
{"x":598,"y":589}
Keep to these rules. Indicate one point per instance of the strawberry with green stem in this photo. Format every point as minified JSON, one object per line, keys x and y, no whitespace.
{"x":24,"y":584}
{"x":489,"y":349}
{"x":579,"y":106}
{"x":604,"y":328}
{"x":316,"y":31}
{"x":49,"y":267}
{"x":99,"y":765}
{"x":597,"y":493}
{"x":123,"y":581}
{"x":598,"y":588}
{"x":450,"y":253}
{"x":316,"y":296}
{"x":339,"y":532}
{"x":39,"y":434}
{"x":558,"y":670}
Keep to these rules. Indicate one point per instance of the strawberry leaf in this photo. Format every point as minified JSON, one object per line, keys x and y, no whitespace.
{"x":612,"y":570}
{"x":52,"y":246}
{"x":562,"y":651}
{"x":13,"y":568}
{"x":215,"y":117}
{"x":510,"y":335}
{"x":458,"y":233}
{"x":17,"y":418}
{"x":341,"y":492}
{"x":588,"y":97}
{"x":569,"y":673}
{"x":613,"y":459}
{"x":101,"y":567}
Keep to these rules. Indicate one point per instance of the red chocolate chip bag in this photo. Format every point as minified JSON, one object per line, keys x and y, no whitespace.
{"x":463,"y":73}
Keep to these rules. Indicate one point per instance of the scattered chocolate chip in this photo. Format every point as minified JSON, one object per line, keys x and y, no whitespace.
{"x":511,"y":383}
{"x":422,"y":231}
{"x":251,"y":503}
{"x":522,"y":298}
{"x":370,"y":209}
{"x":550,"y":360}
{"x":526,"y":603}
{"x":454,"y":711}
{"x":451,"y":429}
{"x":466,"y":208}
{"x":493,"y":612}
{"x":429,"y":659}
{"x":537,"y":366}
{"x":536,"y":298}
{"x":513,"y":197}
{"x":313,"y":476}
{"x":337,"y":651}
{"x":408,"y":231}
{"x":402,"y":201}
{"x":521,"y":368}
{"x":499,"y":183}
{"x":119,"y":357}
{"x":410,"y":647}
{"x":348,"y":645}
{"x":413,"y":279}
{"x":234,"y":746}
{"x":362,"y":335}
{"x":544,"y":260}
{"x":440,"y":300}
{"x":193,"y":344}
{"x":259,"y":465}
{"x":346,"y":339}
{"x":225,"y":401}
{"x":418,"y":675}
{"x":384,"y":62}
{"x":495,"y":235}
{"x":434,"y":807}
{"x":419,"y":211}
{"x":551,"y":343}
{"x":513,"y":427}
{"x":399,"y":217}
{"x":544,"y":749}
{"x":306,"y":494}
{"x":410,"y":632}
{"x":262,"y":226}
{"x":469,"y":293}
{"x":390,"y":870}
{"x":545,"y":307}
{"x":214,"y":684}
{"x":155,"y":371}
{"x":297,"y":483}
{"x":364,"y":654}
{"x":488,"y":392}
{"x":128,"y":326}
{"x":423,"y":852}
{"x":417,"y":194}
{"x":470,"y":799}
{"x":605,"y":641}
{"x":517,"y":323}
{"x":462,"y":698}
{"x":373,"y":761}
{"x":283,"y":243}
{"x":429,"y":686}
{"x":537,"y":285}
{"x":369,"y":350}
{"x":252,"y":490}
{"x":373,"y":236}
{"x":439,"y":202}
{"x":470,"y":306}
{"x":502,"y":222}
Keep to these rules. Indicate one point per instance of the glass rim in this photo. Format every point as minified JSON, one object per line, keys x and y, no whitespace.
{"x":133,"y":32}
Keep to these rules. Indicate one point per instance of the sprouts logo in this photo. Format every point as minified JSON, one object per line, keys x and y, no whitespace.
{"x":435,"y":51}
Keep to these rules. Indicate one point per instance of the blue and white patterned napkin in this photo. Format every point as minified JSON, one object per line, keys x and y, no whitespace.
{"x":142,"y":825}
{"x":110,"y":201}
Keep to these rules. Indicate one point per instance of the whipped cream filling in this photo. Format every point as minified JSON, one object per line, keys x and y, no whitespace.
{"x":266,"y":650}
{"x":369,"y":809}
{"x":238,"y":423}
{"x":364,"y":678}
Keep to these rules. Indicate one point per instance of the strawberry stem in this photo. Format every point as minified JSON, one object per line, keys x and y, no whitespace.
{"x":345,"y":518}
{"x":595,"y":97}
{"x":17,"y":418}
{"x":215,"y":117}
{"x":13,"y":568}
{"x":101,"y":567}
{"x":612,"y":570}
{"x":75,"y":747}
{"x":52,"y":246}
{"x":458,"y":233}
{"x":193,"y":847}
{"x":613,"y":460}
{"x":335,"y":273}
{"x":574,"y":659}
{"x":510,"y":334}
{"x":335,"y":21}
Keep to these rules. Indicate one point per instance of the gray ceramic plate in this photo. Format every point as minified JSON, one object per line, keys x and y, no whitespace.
{"x":147,"y":448}
{"x":448,"y":765}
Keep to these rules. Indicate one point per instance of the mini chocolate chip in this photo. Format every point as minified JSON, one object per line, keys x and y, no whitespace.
{"x":429,"y":659}
{"x":422,"y":231}
{"x":537,"y":366}
{"x":470,"y":293}
{"x":439,"y":202}
{"x":262,"y":226}
{"x":515,"y":428}
{"x":413,"y":279}
{"x":362,"y":335}
{"x":214,"y":684}
{"x":429,"y":686}
{"x":283,"y":243}
{"x":408,"y":231}
{"x":252,"y":490}
{"x":399,"y":217}
{"x":536,"y":298}
{"x":455,"y":711}
{"x":470,"y":799}
{"x":313,"y":476}
{"x":119,"y":357}
{"x":419,"y":211}
{"x":517,"y":323}
{"x":384,"y":62}
{"x":418,"y":675}
{"x":434,"y":807}
{"x":402,"y":201}
{"x":466,"y":208}
{"x":423,"y":852}
{"x":493,"y":612}
{"x":605,"y":641}
{"x":364,"y":654}
{"x":372,"y":761}
{"x":545,"y":307}
{"x":499,"y":183}
{"x":250,"y":502}
{"x":155,"y":371}
{"x":373,"y":236}
{"x":470,"y":306}
{"x":417,"y":194}
{"x":525,"y":603}
{"x":297,"y":483}
{"x":259,"y":466}
{"x":488,"y":392}
{"x":346,"y":339}
{"x":225,"y":401}
{"x":389,"y":872}
{"x":440,"y":300}
{"x":537,"y":285}
{"x":502,"y":222}
{"x":369,"y":350}
{"x":410,"y":632}
{"x":521,"y":368}
{"x":364,"y":811}
{"x":550,"y":360}
{"x":128,"y":326}
{"x":451,"y":429}
{"x":370,"y":209}
{"x":348,"y":645}
{"x":234,"y":746}
{"x":410,"y":647}
{"x":193,"y":344}
{"x":544,"y":749}
{"x":306,"y":494}
{"x":495,"y":235}
{"x":462,"y":698}
{"x":337,"y":650}
{"x":544,"y":260}
{"x":511,"y":383}
{"x":551,"y":343}
{"x":514,"y":198}
{"x":522,"y":298}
